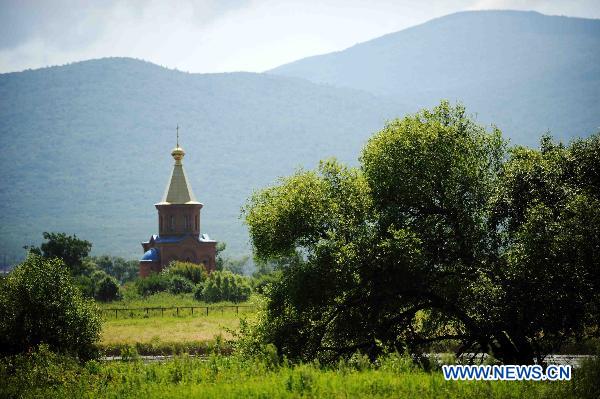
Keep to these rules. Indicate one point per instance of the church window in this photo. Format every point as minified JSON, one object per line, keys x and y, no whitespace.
{"x":172,"y":224}
{"x":197,"y":222}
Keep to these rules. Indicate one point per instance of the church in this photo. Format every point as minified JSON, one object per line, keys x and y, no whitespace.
{"x":178,"y":226}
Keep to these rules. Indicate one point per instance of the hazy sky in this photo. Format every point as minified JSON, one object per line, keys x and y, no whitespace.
{"x":220,"y":35}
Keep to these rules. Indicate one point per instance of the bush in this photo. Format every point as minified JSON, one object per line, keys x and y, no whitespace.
{"x":152,"y":284}
{"x":40,"y":304}
{"x":225,"y":286}
{"x":199,"y":292}
{"x":107,"y":289}
{"x":37,"y":373}
{"x":180,"y":285}
{"x":86,"y":285}
{"x":191,"y":271}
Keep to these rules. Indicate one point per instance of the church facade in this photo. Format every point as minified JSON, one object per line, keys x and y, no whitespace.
{"x":178,"y":235}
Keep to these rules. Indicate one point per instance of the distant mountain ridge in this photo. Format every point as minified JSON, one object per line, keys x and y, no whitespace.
{"x":525,"y":71}
{"x":85,"y":147}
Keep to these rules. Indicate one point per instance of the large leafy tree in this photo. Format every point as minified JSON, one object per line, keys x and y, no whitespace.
{"x":39,"y":304}
{"x":432,"y":238}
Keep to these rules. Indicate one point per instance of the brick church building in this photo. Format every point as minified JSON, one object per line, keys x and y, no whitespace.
{"x":178,"y":226}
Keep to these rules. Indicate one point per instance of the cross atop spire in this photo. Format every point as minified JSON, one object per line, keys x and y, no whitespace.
{"x":178,"y":152}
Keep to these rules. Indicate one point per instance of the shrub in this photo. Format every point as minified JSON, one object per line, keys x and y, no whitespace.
{"x":225,"y":286}
{"x":191,"y":271}
{"x":40,"y":304}
{"x":152,"y":284}
{"x":180,"y":285}
{"x":86,"y":285}
{"x":199,"y":292}
{"x":107,"y":289}
{"x":37,"y":373}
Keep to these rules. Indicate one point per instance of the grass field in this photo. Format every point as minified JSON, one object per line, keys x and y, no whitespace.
{"x":168,"y":328}
{"x":167,"y":332}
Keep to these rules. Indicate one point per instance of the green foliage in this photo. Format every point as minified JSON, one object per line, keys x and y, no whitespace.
{"x":39,"y":304}
{"x":152,"y":284}
{"x":221,"y":246}
{"x":224,"y":286}
{"x":191,"y":271}
{"x":233,"y":264}
{"x":236,"y":265}
{"x":547,"y":207}
{"x":39,"y":370}
{"x":438,"y":236}
{"x":107,"y":290}
{"x":180,"y":285}
{"x":121,"y":269}
{"x":586,"y":383}
{"x":70,"y":249}
{"x":261,"y":284}
{"x":86,"y":285}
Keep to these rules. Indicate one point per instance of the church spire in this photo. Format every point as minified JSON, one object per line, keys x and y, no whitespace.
{"x":178,"y":189}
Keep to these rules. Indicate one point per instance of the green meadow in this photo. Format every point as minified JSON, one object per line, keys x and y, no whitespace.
{"x":169,"y":332}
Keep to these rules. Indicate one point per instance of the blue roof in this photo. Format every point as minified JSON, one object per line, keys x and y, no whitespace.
{"x":151,"y":255}
{"x":169,"y":239}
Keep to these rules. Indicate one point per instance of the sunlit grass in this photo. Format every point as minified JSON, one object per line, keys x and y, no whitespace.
{"x":170,"y":328}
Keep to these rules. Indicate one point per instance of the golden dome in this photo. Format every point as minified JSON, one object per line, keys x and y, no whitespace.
{"x":177,"y":153}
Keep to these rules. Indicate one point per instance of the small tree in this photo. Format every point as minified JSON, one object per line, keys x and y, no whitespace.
{"x":70,"y":249}
{"x":121,"y":269}
{"x":39,"y":304}
{"x":107,"y":289}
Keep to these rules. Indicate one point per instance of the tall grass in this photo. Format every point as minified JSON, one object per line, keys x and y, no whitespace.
{"x":49,"y":376}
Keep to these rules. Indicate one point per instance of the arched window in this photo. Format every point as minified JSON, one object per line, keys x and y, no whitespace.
{"x":172,"y":223}
{"x":197,"y":222}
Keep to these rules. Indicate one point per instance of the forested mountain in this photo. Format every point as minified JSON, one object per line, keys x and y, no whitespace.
{"x":524,"y":71}
{"x":85,"y":148}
